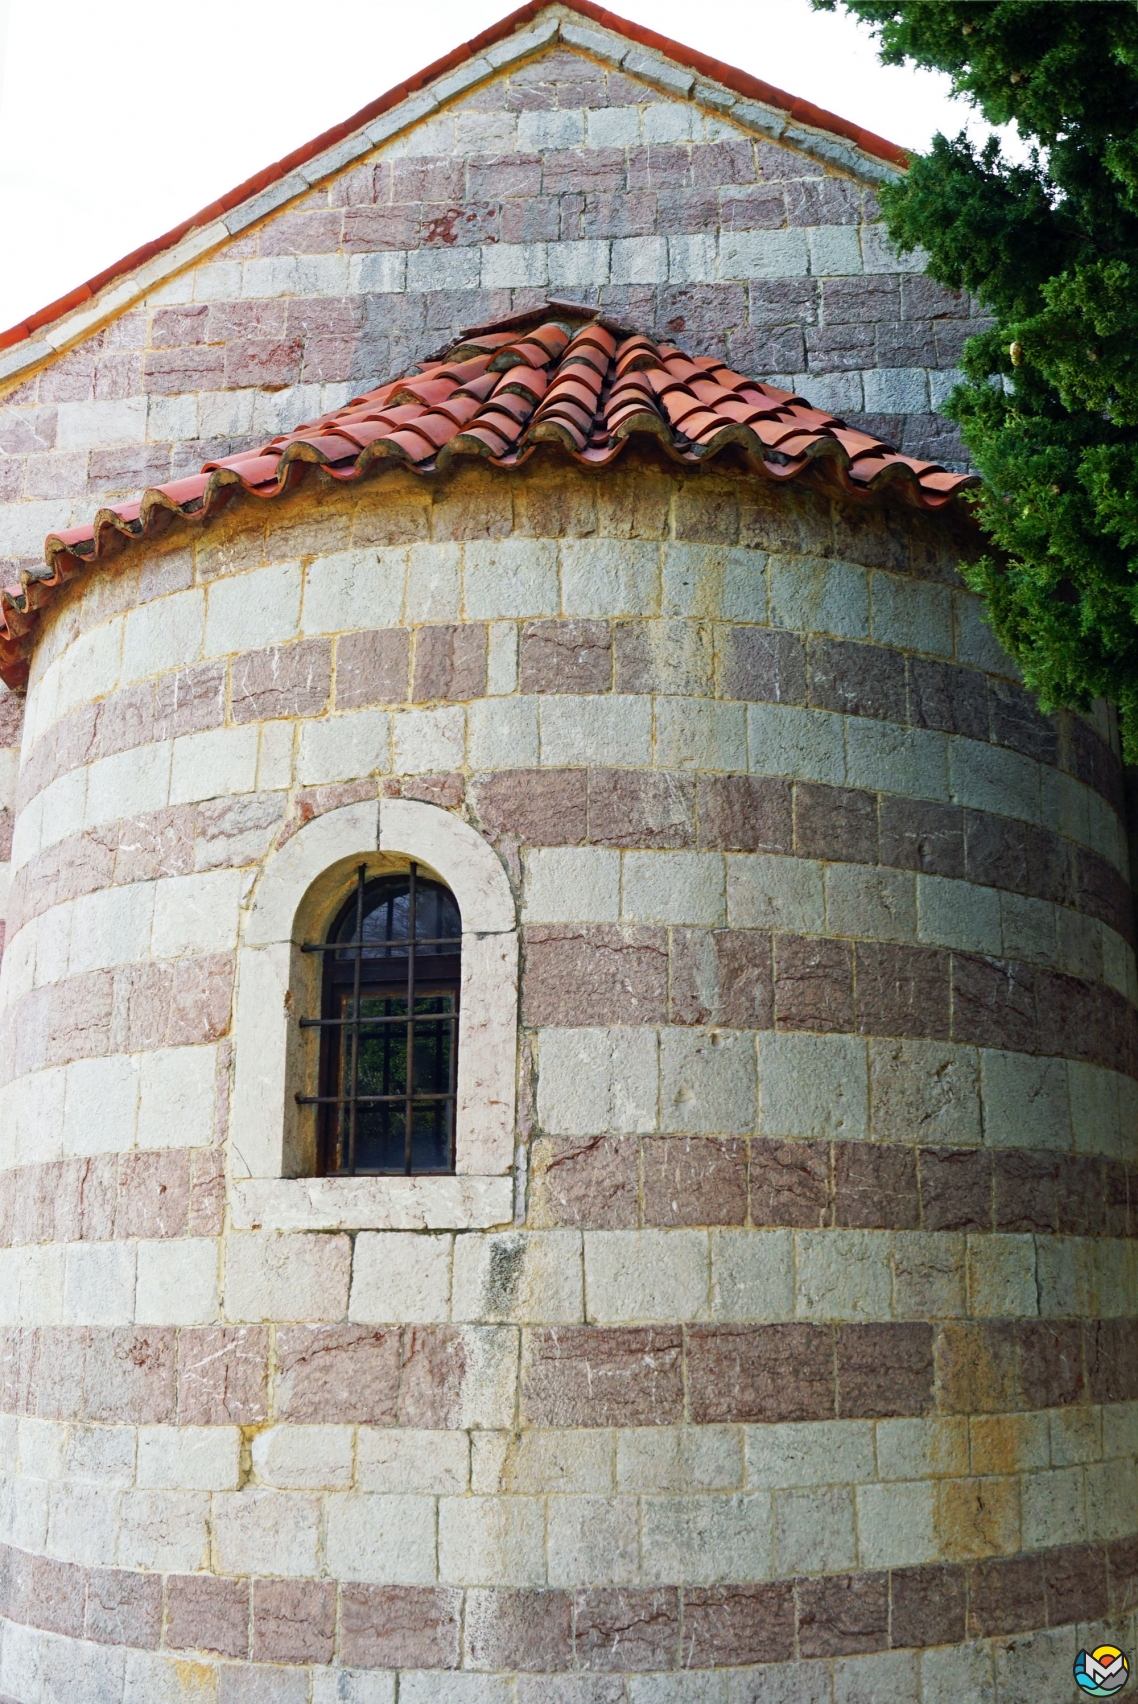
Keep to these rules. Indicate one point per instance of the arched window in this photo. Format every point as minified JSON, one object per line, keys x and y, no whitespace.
{"x":330,"y":1072}
{"x":389,"y":1045}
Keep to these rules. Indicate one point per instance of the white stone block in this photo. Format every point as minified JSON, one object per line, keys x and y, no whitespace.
{"x":976,"y":643}
{"x":922,"y":1449}
{"x":696,"y":733}
{"x":896,"y":390}
{"x":1003,"y":1279}
{"x":433,"y":1686}
{"x":913,"y":615}
{"x":304,"y":1458}
{"x":843,"y":1275}
{"x":812,"y":595}
{"x":606,"y":577}
{"x":835,"y":251}
{"x":344,"y":748}
{"x":519,"y":1277}
{"x":97,"y":425}
{"x":960,"y":915}
{"x":672,"y":887}
{"x":502,"y":732}
{"x":89,"y":667}
{"x":258,"y":1531}
{"x":225,"y":414}
{"x":1053,"y":1508}
{"x":196,"y":914}
{"x":614,"y":730}
{"x":176,"y":1089}
{"x":685,"y":1458}
{"x":883,"y":1677}
{"x":707,"y":1081}
{"x":812,"y":1085}
{"x":502,"y":666}
{"x":353,"y":1686}
{"x":162,"y":1530}
{"x":955,"y":1672}
{"x":491,"y":1541}
{"x":692,"y":259}
{"x":571,"y":884}
{"x":536,"y":1462}
{"x":250,"y":610}
{"x":870,"y":904}
{"x":428,"y":741}
{"x":400,"y":1276}
{"x":164,"y":634}
{"x":1025,"y":1101}
{"x":405,"y":1459}
{"x":189,"y":1458}
{"x":64,"y":807}
{"x":1096,"y":1122}
{"x":434,"y":582}
{"x":110,"y":926}
{"x":539,"y":130}
{"x":128,"y":784}
{"x":177,"y":1281}
{"x":271,"y":1277}
{"x":646,"y":1275}
{"x":763,"y":254}
{"x":101,"y":1105}
{"x":593,"y":1541}
{"x":765,"y":891}
{"x":274,"y":756}
{"x":354,"y":589}
{"x":378,"y":274}
{"x":595,"y":1080}
{"x":170,"y":419}
{"x":508,"y":579}
{"x":814,"y":1452}
{"x":209,"y":764}
{"x":752,"y":1275}
{"x":806,"y":744}
{"x":98,"y":1283}
{"x":615,"y":127}
{"x":702,"y":1540}
{"x":507,"y":266}
{"x":1028,"y":928}
{"x":897,"y":1525}
{"x":988,"y":778}
{"x":882,"y":756}
{"x":443,"y":269}
{"x":880,"y":255}
{"x":814,"y":1530}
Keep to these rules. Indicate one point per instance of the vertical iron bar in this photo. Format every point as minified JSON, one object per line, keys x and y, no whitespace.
{"x":355,"y":1026}
{"x":411,"y":920}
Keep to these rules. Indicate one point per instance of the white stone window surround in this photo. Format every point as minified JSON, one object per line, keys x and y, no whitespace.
{"x":293,"y":896}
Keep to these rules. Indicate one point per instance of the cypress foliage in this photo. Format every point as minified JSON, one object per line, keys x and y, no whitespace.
{"x":1049,"y":403}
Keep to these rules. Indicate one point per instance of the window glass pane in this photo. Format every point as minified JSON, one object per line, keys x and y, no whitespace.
{"x":381,"y":1070}
{"x":386,"y":918}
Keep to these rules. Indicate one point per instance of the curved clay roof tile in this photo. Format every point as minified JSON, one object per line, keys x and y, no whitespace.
{"x":591,"y":390}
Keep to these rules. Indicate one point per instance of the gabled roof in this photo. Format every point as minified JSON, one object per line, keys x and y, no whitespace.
{"x":556,"y":375}
{"x":260,"y":186}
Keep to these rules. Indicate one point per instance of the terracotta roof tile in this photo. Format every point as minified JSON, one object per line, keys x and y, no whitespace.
{"x":583,"y":383}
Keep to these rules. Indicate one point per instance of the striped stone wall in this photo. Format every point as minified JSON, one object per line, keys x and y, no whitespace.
{"x":807,"y":1370}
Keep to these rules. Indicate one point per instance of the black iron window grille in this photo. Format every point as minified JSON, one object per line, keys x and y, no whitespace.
{"x":389,"y":1029}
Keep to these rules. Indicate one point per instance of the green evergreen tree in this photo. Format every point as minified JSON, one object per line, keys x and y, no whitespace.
{"x":1049,"y":404}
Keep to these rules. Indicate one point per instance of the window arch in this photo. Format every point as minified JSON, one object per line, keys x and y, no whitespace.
{"x":390,"y":996}
{"x":338,"y":871}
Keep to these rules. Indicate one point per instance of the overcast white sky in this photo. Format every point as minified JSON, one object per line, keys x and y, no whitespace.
{"x":120,"y":119}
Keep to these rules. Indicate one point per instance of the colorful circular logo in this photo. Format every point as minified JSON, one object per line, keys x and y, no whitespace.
{"x":1102,"y":1672}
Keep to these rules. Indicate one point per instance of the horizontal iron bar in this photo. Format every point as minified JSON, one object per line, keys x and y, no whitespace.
{"x":368,"y":1100}
{"x":421,"y":941}
{"x":367,"y":1023}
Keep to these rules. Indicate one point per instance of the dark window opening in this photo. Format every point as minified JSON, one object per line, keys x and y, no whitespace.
{"x":389,"y":1029}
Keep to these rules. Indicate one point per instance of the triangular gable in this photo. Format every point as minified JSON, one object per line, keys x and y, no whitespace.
{"x":680,"y":71}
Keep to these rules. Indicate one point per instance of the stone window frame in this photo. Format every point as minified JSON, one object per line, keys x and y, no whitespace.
{"x":298,"y":887}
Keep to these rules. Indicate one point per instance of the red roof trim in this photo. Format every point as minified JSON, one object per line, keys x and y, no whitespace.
{"x":805,"y":112}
